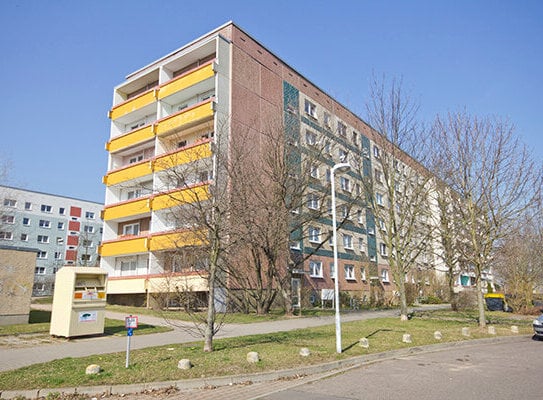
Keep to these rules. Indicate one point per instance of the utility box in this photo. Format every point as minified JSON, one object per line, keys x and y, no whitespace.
{"x":79,"y":302}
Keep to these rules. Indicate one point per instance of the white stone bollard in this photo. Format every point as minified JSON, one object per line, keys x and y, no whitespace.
{"x":406,"y":338}
{"x":364,"y":342}
{"x":184,"y":364}
{"x":93,"y":369}
{"x":514,"y":329}
{"x":304,"y":352}
{"x":491,"y":330}
{"x":253,"y":357}
{"x":465,"y":332}
{"x":438,"y":335}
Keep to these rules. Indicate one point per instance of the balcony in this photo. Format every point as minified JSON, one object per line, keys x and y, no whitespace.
{"x":129,"y":172}
{"x":131,"y":208}
{"x":178,"y":197}
{"x":183,"y":156}
{"x":134,"y":104}
{"x":185,"y":118}
{"x":124,"y":246}
{"x":185,"y":81}
{"x":172,"y":240}
{"x":131,"y":138}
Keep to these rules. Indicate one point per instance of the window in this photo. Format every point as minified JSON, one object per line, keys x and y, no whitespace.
{"x":135,"y":158}
{"x":332,"y":271}
{"x":60,"y":226}
{"x":345,"y":211}
{"x":87,"y":243}
{"x":315,"y":269}
{"x":8,"y":219}
{"x":10,"y":203}
{"x":45,"y":223}
{"x":341,"y":129}
{"x":382,"y":225}
{"x":384,"y":275}
{"x":310,"y":109}
{"x":378,"y":176}
{"x":85,"y":257}
{"x":58,"y":255}
{"x":313,"y":201}
{"x":379,"y":199}
{"x":383,"y":249}
{"x":363,"y":273}
{"x":42,"y":254}
{"x":62,"y":211}
{"x":328,"y":175}
{"x":46,"y":208}
{"x":28,"y":206}
{"x":310,"y":138}
{"x":348,"y":242}
{"x":60,"y":240}
{"x":43,"y":239}
{"x":295,"y":245}
{"x":127,"y":266}
{"x":24,"y":237}
{"x":314,"y":171}
{"x":327,"y":120}
{"x":349,"y":272}
{"x":133,"y":194}
{"x":342,"y":155}
{"x":361,"y":246}
{"x":355,"y":138}
{"x":26,"y":221}
{"x":371,"y":230}
{"x":39,"y":270}
{"x":89,"y":228}
{"x":6,"y":236}
{"x":314,"y":234}
{"x":131,"y":229}
{"x":89,"y":214}
{"x":345,"y":184}
{"x":38,"y":287}
{"x":360,"y":217}
{"x":376,"y":152}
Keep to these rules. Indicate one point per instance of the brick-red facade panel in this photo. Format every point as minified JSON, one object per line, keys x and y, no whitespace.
{"x":71,"y":255}
{"x":73,"y":240}
{"x":75,"y":211}
{"x":74,"y":226}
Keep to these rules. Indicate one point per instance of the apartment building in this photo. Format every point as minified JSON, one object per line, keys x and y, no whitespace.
{"x":64,"y":230}
{"x":175,"y":111}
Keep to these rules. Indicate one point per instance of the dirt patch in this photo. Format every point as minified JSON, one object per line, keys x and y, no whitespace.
{"x":28,"y":340}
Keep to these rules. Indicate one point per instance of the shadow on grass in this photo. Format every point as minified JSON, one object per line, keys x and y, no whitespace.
{"x":368,"y":336}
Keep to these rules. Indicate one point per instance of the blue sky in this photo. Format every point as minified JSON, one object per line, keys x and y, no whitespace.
{"x":61,"y":59}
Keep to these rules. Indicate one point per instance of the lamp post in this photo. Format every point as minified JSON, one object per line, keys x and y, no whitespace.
{"x":334,"y":239}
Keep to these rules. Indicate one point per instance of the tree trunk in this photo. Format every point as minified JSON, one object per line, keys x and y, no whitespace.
{"x":481,"y":304}
{"x":403,"y":299}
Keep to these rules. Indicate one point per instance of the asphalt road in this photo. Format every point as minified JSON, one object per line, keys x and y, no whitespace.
{"x":483,"y":371}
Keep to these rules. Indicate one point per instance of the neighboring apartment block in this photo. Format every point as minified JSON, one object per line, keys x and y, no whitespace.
{"x":64,"y":230}
{"x":172,"y":112}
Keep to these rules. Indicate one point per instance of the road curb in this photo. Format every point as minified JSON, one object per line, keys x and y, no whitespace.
{"x":320,"y":371}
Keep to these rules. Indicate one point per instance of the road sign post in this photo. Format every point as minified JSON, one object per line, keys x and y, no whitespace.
{"x":130,"y":323}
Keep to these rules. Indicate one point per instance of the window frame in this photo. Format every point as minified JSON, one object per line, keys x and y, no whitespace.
{"x":348,"y":270}
{"x":315,"y":269}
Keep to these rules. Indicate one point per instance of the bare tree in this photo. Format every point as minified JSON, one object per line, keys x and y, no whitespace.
{"x":495,"y":179}
{"x":518,"y":264}
{"x":398,"y":186}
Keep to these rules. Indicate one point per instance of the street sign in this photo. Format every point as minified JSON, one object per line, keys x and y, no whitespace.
{"x":131,"y":322}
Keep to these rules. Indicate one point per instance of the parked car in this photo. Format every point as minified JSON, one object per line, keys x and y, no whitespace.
{"x":538,"y":327}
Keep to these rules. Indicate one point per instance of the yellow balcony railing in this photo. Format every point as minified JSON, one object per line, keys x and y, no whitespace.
{"x":183,"y":196}
{"x":130,"y":139}
{"x":133,"y":104}
{"x":185,"y":118}
{"x":127,"y":209}
{"x":127,"y":173}
{"x":185,"y":81}
{"x":124,"y":245}
{"x":183,"y":156}
{"x":172,"y":240}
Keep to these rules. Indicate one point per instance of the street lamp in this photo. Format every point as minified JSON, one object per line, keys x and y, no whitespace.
{"x":334,"y":239}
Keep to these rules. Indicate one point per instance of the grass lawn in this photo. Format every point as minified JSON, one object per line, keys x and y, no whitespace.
{"x":277,"y":351}
{"x":39,"y":323}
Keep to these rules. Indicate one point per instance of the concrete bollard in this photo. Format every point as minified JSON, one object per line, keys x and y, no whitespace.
{"x":184,"y":364}
{"x":406,"y":338}
{"x":364,"y":342}
{"x":253,"y":357}
{"x":491,"y":330}
{"x":465,"y":332}
{"x":304,"y":352}
{"x":93,"y":369}
{"x":514,"y":329}
{"x":438,"y":335}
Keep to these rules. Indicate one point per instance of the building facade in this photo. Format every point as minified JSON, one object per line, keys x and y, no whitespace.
{"x":176,"y":110}
{"x":64,"y":230}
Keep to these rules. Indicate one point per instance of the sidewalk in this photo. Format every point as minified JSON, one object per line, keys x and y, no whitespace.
{"x":13,"y":358}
